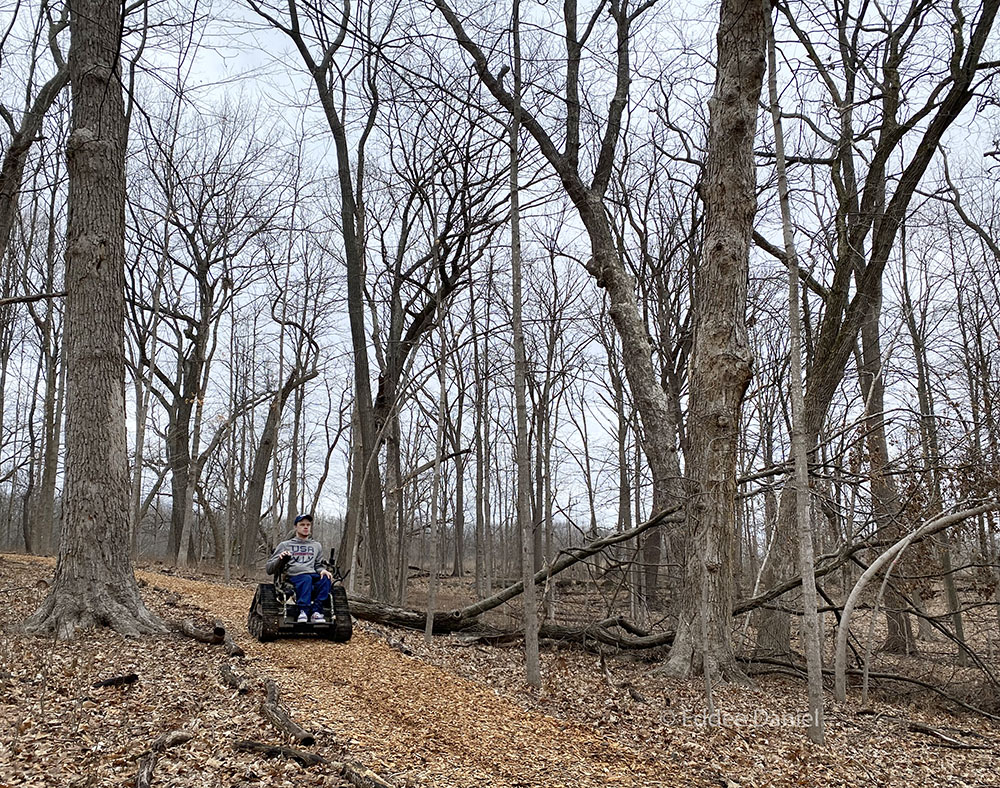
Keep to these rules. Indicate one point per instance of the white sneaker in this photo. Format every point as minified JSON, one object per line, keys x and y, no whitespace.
{"x":318,"y":618}
{"x":302,"y":619}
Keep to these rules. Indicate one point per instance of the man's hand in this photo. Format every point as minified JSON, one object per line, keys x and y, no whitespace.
{"x":285,"y":554}
{"x":326,"y":573}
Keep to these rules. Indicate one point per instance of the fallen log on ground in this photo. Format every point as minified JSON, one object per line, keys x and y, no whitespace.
{"x":947,"y":741}
{"x":117,"y":681}
{"x":272,"y":710}
{"x":466,"y":620}
{"x":147,"y":761}
{"x":945,"y":735}
{"x":215,"y":636}
{"x":233,"y":648}
{"x":231,"y":679}
{"x":356,"y":774}
{"x":360,"y":776}
{"x":587,"y":635}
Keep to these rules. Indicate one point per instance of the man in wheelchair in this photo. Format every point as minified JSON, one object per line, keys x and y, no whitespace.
{"x":302,"y":560}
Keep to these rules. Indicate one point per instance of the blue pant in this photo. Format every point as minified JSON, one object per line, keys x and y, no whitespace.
{"x":311,"y":592}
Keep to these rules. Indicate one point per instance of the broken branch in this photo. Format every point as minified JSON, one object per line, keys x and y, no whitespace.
{"x":271,"y":708}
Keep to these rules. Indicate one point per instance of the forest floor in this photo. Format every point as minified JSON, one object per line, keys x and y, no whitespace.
{"x":448,"y":714}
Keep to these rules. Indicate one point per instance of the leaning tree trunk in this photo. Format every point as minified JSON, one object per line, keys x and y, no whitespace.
{"x":94,"y":583}
{"x":16,"y":155}
{"x":262,"y":462}
{"x":720,"y":356}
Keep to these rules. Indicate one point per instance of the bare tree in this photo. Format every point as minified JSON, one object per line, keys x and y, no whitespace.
{"x":870,"y":206}
{"x":588,"y":192}
{"x":37,"y":242}
{"x":24,"y":125}
{"x":210,"y":200}
{"x":319,"y":38}
{"x":94,"y":581}
{"x":811,"y":632}
{"x":719,"y":369}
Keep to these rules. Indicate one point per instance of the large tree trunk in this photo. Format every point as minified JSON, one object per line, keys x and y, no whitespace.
{"x":720,"y":357}
{"x":94,"y":583}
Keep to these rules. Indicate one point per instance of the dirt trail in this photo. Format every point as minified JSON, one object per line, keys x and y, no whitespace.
{"x":418,"y":724}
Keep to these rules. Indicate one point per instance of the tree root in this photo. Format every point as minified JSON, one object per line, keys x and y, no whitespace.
{"x":147,"y":762}
{"x":271,"y":751}
{"x":74,"y":606}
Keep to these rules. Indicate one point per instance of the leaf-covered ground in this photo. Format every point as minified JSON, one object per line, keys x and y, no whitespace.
{"x":450,"y":714}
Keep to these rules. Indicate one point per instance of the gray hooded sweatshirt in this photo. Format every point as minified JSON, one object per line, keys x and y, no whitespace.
{"x":307,"y":557}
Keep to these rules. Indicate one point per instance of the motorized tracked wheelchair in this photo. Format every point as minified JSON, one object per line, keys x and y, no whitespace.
{"x":273,"y":612}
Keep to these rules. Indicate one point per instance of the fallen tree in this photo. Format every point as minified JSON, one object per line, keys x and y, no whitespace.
{"x":467,"y":620}
{"x":272,"y":710}
{"x":147,"y":761}
{"x":889,"y":557}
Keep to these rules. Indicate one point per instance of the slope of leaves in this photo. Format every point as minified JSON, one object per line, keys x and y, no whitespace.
{"x":448,"y":714}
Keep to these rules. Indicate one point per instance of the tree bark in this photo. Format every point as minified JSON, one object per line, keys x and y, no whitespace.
{"x":720,"y":365}
{"x":94,"y":582}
